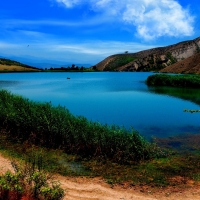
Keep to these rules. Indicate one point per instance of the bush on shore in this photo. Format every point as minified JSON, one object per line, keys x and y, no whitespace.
{"x":174,"y":80}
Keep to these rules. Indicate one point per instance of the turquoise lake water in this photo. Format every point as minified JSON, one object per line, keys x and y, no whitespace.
{"x":113,"y":98}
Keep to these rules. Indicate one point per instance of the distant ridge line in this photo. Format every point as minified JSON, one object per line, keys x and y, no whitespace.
{"x":151,"y":59}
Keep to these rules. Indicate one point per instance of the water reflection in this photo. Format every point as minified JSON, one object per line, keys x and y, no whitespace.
{"x":113,"y":98}
{"x":188,"y":94}
{"x":186,"y":141}
{"x":5,"y":83}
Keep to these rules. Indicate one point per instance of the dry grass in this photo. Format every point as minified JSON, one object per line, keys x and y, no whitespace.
{"x":15,"y":68}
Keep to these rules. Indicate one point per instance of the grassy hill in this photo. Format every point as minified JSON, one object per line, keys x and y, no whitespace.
{"x":7,"y":65}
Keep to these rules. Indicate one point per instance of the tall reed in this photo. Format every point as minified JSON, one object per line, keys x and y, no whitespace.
{"x":55,"y":127}
{"x":174,"y":80}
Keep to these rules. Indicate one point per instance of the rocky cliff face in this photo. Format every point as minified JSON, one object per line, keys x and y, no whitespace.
{"x":189,"y":65}
{"x":152,"y":59}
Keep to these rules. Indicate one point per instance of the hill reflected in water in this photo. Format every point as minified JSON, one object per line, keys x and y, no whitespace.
{"x":188,"y":94}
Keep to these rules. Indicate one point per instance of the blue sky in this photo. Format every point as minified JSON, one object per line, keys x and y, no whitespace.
{"x":87,"y":31}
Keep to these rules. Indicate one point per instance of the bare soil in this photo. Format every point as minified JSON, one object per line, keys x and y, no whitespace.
{"x":189,"y":65}
{"x":82,"y":188}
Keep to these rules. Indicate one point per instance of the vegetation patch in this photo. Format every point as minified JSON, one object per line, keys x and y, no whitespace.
{"x":157,"y":172}
{"x":192,"y":81}
{"x":69,"y":145}
{"x":171,"y":58}
{"x":197,"y":48}
{"x":55,"y":127}
{"x":29,"y":182}
{"x":73,"y":68}
{"x":118,"y":62}
{"x":181,"y":143}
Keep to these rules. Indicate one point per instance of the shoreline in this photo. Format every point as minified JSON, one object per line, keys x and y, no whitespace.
{"x":83,"y":188}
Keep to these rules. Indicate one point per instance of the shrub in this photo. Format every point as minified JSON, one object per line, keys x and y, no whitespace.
{"x":171,"y":58}
{"x":30,"y":183}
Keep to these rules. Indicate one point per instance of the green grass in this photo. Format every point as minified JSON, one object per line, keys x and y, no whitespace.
{"x":192,"y":81}
{"x":54,"y":140}
{"x":51,"y":160}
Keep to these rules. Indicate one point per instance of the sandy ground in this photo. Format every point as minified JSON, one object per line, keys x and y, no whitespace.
{"x":96,"y":189}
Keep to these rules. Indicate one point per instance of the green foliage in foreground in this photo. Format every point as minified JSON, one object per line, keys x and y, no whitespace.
{"x":30,"y":183}
{"x":55,"y":127}
{"x":174,"y":80}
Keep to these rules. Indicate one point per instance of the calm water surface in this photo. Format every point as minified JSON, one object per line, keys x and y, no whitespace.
{"x":113,"y":98}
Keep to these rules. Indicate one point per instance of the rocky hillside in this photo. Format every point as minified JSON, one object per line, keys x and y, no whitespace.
{"x":152,"y":59}
{"x":189,"y":65}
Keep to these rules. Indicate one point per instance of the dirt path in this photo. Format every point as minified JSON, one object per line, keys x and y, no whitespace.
{"x":97,"y":189}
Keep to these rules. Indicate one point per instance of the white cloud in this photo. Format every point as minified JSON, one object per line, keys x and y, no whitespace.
{"x":19,"y":24}
{"x":69,"y":3}
{"x":67,"y":51}
{"x":5,"y":45}
{"x":151,"y":18}
{"x":159,"y":18}
{"x":100,"y":47}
